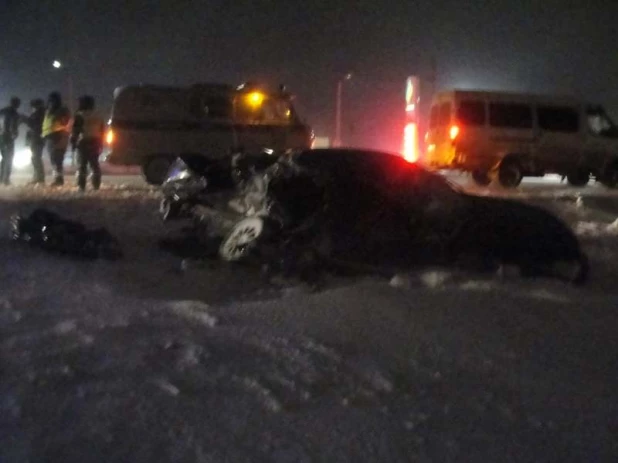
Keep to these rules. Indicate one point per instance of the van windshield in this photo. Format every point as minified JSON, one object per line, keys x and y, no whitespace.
{"x":599,"y":122}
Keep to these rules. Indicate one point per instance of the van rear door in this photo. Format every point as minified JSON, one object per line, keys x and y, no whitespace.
{"x":440,"y":149}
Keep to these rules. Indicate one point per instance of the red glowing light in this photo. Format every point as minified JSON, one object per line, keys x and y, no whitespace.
{"x":410,"y":142}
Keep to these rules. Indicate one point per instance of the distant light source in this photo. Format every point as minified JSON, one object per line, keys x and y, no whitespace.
{"x":453,"y":132}
{"x":57,"y":64}
{"x":22,"y":158}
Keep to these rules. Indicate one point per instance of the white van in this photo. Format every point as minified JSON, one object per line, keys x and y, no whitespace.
{"x":151,"y":125}
{"x":509,"y":136}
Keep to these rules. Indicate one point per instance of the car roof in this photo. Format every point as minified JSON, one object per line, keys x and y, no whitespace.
{"x":334,"y":158}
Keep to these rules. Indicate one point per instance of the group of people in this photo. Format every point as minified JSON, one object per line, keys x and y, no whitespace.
{"x":51,"y":128}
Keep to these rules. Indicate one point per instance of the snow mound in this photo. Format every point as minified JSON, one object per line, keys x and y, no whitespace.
{"x":433,"y":279}
{"x":194,"y":311}
{"x":596,"y":229}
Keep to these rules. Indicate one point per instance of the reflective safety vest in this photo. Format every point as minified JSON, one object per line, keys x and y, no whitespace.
{"x":92,"y":125}
{"x":56,"y":121}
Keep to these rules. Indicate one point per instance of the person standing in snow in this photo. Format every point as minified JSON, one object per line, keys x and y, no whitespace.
{"x":55,"y":132}
{"x":34,"y":139}
{"x":9,"y":130}
{"x":87,"y":136}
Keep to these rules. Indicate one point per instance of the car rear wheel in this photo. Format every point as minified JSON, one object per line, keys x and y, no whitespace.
{"x":156,"y":170}
{"x":481,"y":177}
{"x":510,"y":173}
{"x":579,"y":177}
{"x":243,"y":238}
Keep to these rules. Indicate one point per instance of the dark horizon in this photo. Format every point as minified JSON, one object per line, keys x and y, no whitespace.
{"x":501,"y":45}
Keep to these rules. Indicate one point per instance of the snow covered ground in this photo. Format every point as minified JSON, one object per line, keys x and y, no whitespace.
{"x":160,"y":359}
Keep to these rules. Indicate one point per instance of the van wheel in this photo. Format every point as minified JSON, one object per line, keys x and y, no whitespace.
{"x":510,"y":173}
{"x":481,"y":177}
{"x":610,"y":175}
{"x":579,"y":178}
{"x":156,"y":170}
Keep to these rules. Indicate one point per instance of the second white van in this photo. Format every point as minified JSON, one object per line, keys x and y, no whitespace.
{"x":507,"y":136}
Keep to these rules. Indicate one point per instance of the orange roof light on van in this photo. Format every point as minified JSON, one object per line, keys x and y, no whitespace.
{"x":453,"y":132}
{"x":109,"y":137}
{"x":255,"y":99}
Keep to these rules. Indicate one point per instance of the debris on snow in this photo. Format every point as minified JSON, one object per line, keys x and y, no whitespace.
{"x":194,"y":311}
{"x":477,"y":285}
{"x":594,"y":229}
{"x":168,"y":387}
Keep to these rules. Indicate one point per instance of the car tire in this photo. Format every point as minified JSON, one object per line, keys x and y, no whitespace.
{"x":580,"y":177}
{"x":481,"y":177}
{"x":610,"y":175}
{"x":156,"y":170}
{"x":510,"y":173}
{"x":242,"y":239}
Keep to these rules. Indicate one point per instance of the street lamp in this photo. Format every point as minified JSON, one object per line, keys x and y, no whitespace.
{"x":58,"y":65}
{"x":337,"y":140}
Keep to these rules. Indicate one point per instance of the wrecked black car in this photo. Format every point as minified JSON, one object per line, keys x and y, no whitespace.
{"x":367,"y":208}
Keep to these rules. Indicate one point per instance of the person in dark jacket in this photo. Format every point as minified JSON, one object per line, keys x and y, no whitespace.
{"x":9,"y":130}
{"x":55,"y":132}
{"x":87,"y":136}
{"x":35,"y":141}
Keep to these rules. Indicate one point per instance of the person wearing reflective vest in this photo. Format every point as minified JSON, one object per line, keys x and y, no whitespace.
{"x":55,"y":132}
{"x":87,"y":137}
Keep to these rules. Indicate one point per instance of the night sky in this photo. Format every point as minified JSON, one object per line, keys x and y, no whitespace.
{"x":526,"y":45}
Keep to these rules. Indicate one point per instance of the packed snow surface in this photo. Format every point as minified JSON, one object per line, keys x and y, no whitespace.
{"x":160,"y":358}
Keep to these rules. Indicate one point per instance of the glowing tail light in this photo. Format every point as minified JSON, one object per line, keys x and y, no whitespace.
{"x":109,"y":137}
{"x":410,"y":142}
{"x":453,"y":132}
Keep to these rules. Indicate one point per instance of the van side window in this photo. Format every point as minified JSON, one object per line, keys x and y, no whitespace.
{"x":510,"y":115}
{"x":471,"y":113}
{"x":218,"y":108}
{"x":558,"y":119}
{"x":433,"y":117}
{"x":211,"y":107}
{"x":444,"y":117}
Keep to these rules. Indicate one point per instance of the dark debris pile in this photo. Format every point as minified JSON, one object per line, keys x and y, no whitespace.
{"x":49,"y":231}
